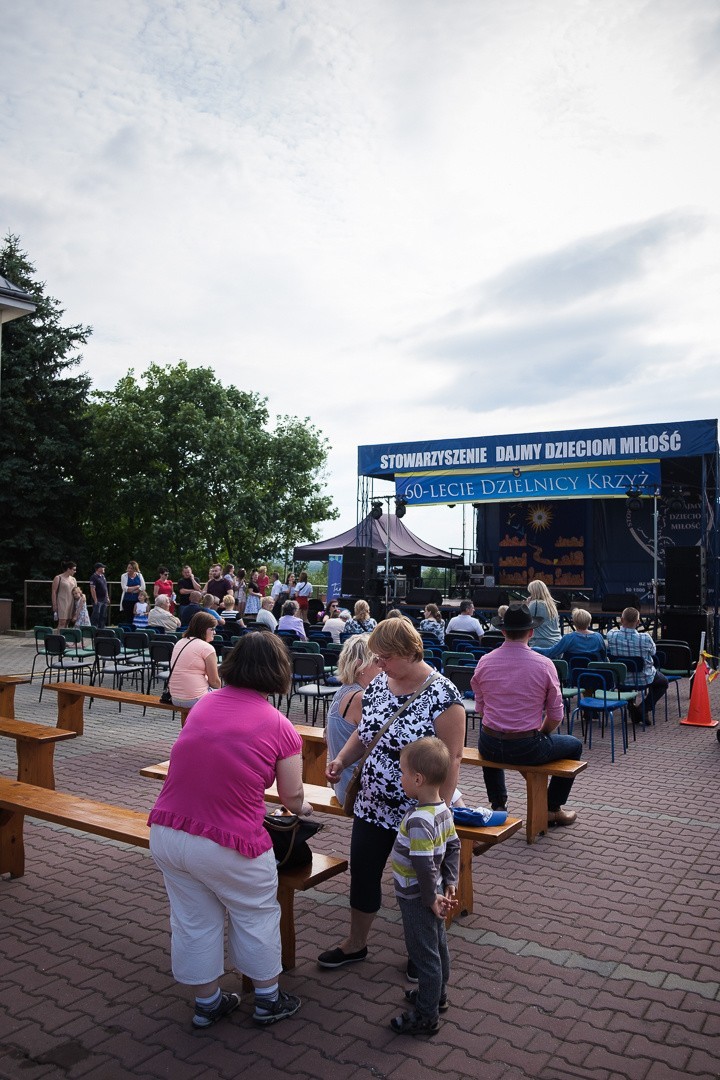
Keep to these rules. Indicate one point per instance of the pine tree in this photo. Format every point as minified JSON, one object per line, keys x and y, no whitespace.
{"x":42,"y":434}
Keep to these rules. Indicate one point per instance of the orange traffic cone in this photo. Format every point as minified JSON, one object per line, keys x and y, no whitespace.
{"x":699,"y":710}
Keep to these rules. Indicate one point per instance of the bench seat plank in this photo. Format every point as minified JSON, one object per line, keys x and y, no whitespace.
{"x":71,"y":698}
{"x":35,"y":749}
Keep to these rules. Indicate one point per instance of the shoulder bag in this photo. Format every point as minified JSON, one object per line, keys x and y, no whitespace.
{"x":353,"y":787}
{"x":166,"y":696}
{"x":290,"y":834}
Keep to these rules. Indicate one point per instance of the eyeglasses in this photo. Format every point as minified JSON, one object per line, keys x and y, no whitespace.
{"x":380,"y":659}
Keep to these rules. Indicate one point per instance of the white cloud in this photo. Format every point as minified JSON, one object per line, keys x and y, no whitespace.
{"x":424,"y":217}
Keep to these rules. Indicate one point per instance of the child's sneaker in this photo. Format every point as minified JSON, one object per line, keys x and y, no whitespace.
{"x":206,"y":1016}
{"x":269,"y":1012}
{"x":414,"y":1024}
{"x":411,"y":996}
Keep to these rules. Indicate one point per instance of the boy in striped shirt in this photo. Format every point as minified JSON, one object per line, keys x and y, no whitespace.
{"x":425,"y":858}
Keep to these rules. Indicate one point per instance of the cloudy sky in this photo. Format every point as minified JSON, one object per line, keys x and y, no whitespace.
{"x":405,"y":219}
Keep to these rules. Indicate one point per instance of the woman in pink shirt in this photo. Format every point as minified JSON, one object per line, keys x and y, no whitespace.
{"x":207,"y":833}
{"x":193,"y":665}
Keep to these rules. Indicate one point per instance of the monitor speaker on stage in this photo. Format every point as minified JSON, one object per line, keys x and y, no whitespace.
{"x":358,"y":568}
{"x":490,"y":598}
{"x":684,"y":577}
{"x":424,"y":596}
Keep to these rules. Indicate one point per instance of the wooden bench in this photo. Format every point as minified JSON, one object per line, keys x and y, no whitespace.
{"x":19,"y":800}
{"x":71,"y":697}
{"x":314,"y":755}
{"x":7,"y":693}
{"x":35,"y":749}
{"x":322,"y":799}
{"x":536,"y":782}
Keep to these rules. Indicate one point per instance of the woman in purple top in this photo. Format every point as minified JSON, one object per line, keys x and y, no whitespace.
{"x":207,"y":833}
{"x":290,"y":621}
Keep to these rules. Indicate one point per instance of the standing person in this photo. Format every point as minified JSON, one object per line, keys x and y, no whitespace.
{"x":628,"y":641}
{"x":426,"y":867}
{"x":416,"y":701}
{"x":276,"y":587}
{"x":194,"y":662}
{"x":188,"y":583}
{"x":361,"y":623}
{"x":63,"y":601}
{"x":141,"y":611}
{"x":285,"y":593}
{"x":241,"y":591}
{"x":303,"y":592}
{"x":100,"y":597}
{"x":517,"y":693}
{"x":164,"y":587}
{"x":263,"y":579}
{"x":541,"y":604}
{"x":208,"y":839}
{"x":216,"y":584}
{"x":356,"y":669}
{"x":80,"y":611}
{"x":252,"y":603}
{"x":132,"y":582}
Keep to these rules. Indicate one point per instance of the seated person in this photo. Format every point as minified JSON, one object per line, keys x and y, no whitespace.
{"x":433,"y":623}
{"x":289,"y":619}
{"x":465,"y":622}
{"x":227,"y":609}
{"x":209,"y":603}
{"x":335,"y":625}
{"x":265,"y":615}
{"x":627,"y":641}
{"x":194,"y":605}
{"x":160,"y":617}
{"x":582,"y":642}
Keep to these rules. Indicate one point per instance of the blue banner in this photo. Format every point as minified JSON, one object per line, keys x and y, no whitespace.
{"x":519,"y":484}
{"x":584,"y":446}
{"x":334,"y":585}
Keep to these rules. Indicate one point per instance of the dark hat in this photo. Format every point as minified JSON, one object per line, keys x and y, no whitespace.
{"x":99,"y":565}
{"x":517,"y":617}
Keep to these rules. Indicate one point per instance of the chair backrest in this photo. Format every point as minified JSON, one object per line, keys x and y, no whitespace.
{"x":674,"y":658}
{"x":42,"y":632}
{"x":88,"y":633}
{"x":634,"y":666}
{"x":576,"y":665}
{"x":318,"y":634}
{"x":107,"y":648}
{"x":308,"y":665}
{"x":465,"y":659}
{"x":306,"y":646}
{"x":55,"y":645}
{"x":460,"y":675}
{"x":618,"y":669}
{"x":590,"y":682}
{"x":288,"y":635}
{"x":136,"y":639}
{"x":454,"y":637}
{"x":561,"y":666}
{"x":161,"y":651}
{"x":72,"y":633}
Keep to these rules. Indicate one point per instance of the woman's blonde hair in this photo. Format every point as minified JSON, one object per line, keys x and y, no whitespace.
{"x":396,"y":637}
{"x":362,"y":610}
{"x":539,"y":591}
{"x":354,"y":656}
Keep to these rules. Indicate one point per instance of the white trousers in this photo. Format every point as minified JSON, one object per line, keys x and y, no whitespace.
{"x":204,"y":881}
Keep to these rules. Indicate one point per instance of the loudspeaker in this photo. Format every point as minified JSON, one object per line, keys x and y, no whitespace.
{"x":490,"y":598}
{"x":687,"y":626}
{"x":424,"y":596}
{"x":618,"y":601}
{"x":358,"y":567}
{"x":685,"y":576}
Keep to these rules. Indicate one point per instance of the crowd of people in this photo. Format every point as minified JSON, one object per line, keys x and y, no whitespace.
{"x":393,"y":712}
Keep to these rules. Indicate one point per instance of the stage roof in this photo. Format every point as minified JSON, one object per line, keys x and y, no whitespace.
{"x":404,"y":545}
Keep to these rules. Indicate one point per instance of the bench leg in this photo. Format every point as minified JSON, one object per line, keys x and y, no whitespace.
{"x":314,"y":757}
{"x":35,"y":764}
{"x":12,"y":845}
{"x":536,"y":821}
{"x":286,"y":898}
{"x":7,"y":701}
{"x":70,"y":712}
{"x":464,"y":895}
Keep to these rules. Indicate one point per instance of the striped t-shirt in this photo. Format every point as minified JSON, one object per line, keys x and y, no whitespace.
{"x":426,"y":853}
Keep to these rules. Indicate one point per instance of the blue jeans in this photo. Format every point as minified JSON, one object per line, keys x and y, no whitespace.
{"x":537,"y":749}
{"x":98,"y":615}
{"x":426,"y":943}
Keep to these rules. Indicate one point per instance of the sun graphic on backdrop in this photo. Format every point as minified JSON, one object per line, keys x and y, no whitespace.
{"x":539,"y":517}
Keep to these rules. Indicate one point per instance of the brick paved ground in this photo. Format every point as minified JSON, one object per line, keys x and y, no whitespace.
{"x":593,"y":954}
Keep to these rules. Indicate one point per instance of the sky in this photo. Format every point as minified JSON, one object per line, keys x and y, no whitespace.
{"x":403,"y":219}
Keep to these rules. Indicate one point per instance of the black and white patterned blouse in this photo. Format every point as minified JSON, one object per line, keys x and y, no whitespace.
{"x":381,"y":800}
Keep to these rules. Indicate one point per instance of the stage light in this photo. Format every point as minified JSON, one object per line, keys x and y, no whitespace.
{"x":400,"y":507}
{"x":633,"y":500}
{"x":377,"y":509}
{"x":451,"y":506}
{"x":676,"y":503}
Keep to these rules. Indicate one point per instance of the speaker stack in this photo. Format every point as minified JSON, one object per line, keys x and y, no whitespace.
{"x":685,"y":617}
{"x":358,"y":571}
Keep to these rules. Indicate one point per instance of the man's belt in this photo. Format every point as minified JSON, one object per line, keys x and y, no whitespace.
{"x":496,"y":734}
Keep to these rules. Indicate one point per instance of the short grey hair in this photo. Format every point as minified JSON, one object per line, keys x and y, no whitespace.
{"x":162,"y":601}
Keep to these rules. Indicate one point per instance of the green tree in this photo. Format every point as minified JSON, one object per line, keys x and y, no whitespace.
{"x":185,"y":468}
{"x":42,"y":434}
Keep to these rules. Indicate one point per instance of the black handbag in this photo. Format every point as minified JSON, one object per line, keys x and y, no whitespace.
{"x":290,"y":834}
{"x":166,"y":696}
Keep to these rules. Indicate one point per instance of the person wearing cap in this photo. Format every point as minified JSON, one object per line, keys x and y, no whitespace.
{"x":99,"y":593}
{"x":517,"y":693}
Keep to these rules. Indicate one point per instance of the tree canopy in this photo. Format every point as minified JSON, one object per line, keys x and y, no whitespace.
{"x":167,"y":467}
{"x":185,"y":468}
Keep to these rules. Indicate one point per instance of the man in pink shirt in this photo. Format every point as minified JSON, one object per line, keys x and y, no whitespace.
{"x":517,"y":693}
